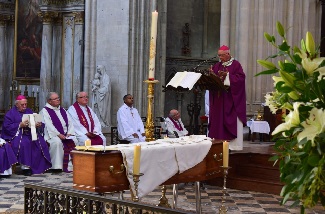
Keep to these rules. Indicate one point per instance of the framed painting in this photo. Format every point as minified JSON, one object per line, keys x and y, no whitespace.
{"x":28,"y":41}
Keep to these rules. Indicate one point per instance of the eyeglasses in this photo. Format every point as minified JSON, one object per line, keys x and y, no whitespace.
{"x":57,"y":98}
{"x":84,"y":97}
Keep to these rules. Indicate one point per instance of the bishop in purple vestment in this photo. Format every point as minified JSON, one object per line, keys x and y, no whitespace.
{"x":7,"y":157}
{"x":227,"y":107}
{"x":33,"y":156}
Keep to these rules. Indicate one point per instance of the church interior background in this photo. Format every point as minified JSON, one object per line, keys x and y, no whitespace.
{"x":51,"y":45}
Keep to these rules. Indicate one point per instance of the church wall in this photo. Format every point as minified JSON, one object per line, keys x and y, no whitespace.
{"x":112,"y":47}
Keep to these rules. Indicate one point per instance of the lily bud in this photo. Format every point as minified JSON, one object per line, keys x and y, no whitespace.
{"x":287,"y":78}
{"x":268,"y":37}
{"x":293,"y":95}
{"x":310,"y":43}
{"x":266,"y":64}
{"x":280,"y":29}
{"x":281,"y":65}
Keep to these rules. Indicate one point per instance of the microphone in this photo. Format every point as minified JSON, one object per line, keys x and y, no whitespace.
{"x":205,"y":61}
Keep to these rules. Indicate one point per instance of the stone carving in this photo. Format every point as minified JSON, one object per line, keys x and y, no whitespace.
{"x":101,"y":100}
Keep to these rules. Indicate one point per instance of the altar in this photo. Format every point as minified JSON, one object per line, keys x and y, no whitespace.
{"x":107,"y":171}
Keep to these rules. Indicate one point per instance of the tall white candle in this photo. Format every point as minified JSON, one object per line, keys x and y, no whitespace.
{"x":153,"y":39}
{"x":136,"y":159}
{"x":225,"y":153}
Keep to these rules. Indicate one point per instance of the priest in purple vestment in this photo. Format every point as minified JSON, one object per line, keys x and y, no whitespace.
{"x":58,"y":133}
{"x":7,"y":158}
{"x":33,"y":155}
{"x":227,"y":108}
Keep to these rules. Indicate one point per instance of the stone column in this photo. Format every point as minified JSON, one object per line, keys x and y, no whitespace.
{"x":46,"y":62}
{"x":204,"y":53}
{"x":78,"y":54}
{"x":90,"y":43}
{"x":2,"y":62}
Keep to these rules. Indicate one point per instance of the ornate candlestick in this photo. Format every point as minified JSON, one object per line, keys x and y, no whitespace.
{"x":150,"y":126}
{"x":223,"y":208}
{"x":136,"y":179}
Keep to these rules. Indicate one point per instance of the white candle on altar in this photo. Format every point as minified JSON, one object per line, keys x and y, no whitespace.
{"x":152,"y":50}
{"x":225,"y":153}
{"x":87,"y":143}
{"x":136,"y":159}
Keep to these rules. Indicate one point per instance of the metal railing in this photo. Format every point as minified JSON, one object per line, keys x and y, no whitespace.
{"x":44,"y":198}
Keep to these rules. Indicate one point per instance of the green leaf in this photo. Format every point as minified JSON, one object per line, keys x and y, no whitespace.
{"x":313,"y":160}
{"x":290,"y":67}
{"x":280,"y":29}
{"x":284,"y":47}
{"x":273,"y":71}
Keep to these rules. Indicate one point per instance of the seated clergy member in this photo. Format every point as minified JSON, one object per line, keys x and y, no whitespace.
{"x":59,"y":133}
{"x":7,"y":158}
{"x":129,"y":123}
{"x":175,"y":126}
{"x":85,"y":121}
{"x":27,"y":143}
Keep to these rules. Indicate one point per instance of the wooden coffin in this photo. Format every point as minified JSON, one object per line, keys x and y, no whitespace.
{"x":91,"y":170}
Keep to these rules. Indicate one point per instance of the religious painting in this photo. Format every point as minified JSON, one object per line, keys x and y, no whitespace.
{"x":28,"y":40}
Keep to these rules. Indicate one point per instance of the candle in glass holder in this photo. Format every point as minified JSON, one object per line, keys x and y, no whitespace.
{"x":136,"y":159}
{"x":152,"y":50}
{"x":225,"y":153}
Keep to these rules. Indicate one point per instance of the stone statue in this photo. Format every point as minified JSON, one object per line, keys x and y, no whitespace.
{"x":101,"y":100}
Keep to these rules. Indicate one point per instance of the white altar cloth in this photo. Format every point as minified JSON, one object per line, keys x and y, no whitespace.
{"x":162,"y":159}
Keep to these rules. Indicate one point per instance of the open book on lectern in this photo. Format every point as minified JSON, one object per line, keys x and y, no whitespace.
{"x":187,"y":80}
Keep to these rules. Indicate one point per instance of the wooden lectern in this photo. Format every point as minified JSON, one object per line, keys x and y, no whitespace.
{"x":200,"y":80}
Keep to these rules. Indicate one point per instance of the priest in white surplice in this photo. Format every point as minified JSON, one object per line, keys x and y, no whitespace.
{"x":129,"y":124}
{"x":58,"y":132}
{"x":85,"y":121}
{"x":175,"y":126}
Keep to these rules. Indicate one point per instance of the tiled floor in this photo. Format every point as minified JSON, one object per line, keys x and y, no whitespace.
{"x":12,"y":195}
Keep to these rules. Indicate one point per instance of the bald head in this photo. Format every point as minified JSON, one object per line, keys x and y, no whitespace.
{"x":174,"y":114}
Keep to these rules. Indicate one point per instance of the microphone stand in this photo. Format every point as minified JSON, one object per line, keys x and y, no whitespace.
{"x":203,"y":62}
{"x":193,"y":109}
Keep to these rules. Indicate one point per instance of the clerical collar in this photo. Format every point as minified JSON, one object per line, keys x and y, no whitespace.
{"x":229,"y":62}
{"x":52,"y":107}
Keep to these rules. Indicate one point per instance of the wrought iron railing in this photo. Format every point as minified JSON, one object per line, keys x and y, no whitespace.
{"x":44,"y":198}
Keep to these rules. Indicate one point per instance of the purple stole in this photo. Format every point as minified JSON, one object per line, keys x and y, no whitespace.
{"x":68,"y":144}
{"x":178,"y":125}
{"x":97,"y":140}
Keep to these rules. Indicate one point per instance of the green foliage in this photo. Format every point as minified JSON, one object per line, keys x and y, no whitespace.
{"x":300,"y":140}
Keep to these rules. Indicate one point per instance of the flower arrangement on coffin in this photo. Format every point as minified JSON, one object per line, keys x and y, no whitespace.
{"x":299,"y":88}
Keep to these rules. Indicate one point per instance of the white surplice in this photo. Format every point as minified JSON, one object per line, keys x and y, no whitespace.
{"x":171,"y":128}
{"x":80,"y":130}
{"x":51,"y":136}
{"x":128,"y":123}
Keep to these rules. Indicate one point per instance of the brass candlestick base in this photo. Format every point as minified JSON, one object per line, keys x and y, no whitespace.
{"x":136,"y":179}
{"x":163,"y":201}
{"x":223,"y":208}
{"x":150,"y":125}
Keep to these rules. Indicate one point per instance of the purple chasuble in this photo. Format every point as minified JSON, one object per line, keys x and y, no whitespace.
{"x":34,"y":154}
{"x":68,"y":144}
{"x":97,"y":140}
{"x":7,"y":157}
{"x":226,"y":106}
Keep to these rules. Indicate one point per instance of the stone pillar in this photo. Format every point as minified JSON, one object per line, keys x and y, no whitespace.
{"x":78,"y":54}
{"x":204,"y":53}
{"x":2,"y":61}
{"x":90,"y":43}
{"x":46,"y":62}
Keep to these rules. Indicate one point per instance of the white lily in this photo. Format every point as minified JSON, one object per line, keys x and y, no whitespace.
{"x":311,"y":65}
{"x":269,"y":101}
{"x":291,"y":120}
{"x":313,"y":126}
